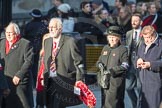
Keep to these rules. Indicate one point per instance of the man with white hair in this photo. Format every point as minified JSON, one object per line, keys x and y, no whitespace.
{"x":63,"y":67}
{"x":17,"y":55}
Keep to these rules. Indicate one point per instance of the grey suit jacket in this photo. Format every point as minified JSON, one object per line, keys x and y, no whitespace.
{"x":68,"y":57}
{"x":129,"y":40}
{"x":18,"y":62}
{"x":68,"y":60}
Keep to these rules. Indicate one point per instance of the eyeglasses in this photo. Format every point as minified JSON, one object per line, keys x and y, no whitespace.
{"x":10,"y":32}
{"x":51,"y":27}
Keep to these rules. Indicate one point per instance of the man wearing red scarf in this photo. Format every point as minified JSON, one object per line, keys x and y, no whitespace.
{"x":17,"y":56}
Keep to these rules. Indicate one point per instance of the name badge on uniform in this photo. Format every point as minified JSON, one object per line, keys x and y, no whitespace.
{"x":53,"y":74}
{"x":105,"y":53}
{"x":76,"y":90}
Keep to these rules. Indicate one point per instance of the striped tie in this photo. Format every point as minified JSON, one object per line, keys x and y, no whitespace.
{"x":53,"y":64}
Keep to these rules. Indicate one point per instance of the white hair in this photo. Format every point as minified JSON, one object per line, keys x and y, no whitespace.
{"x":16,"y":27}
{"x":58,"y":20}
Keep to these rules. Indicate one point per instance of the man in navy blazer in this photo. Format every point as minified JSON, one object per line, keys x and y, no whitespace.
{"x":149,"y":62}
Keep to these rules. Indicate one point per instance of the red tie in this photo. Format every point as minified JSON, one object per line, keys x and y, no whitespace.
{"x":53,"y":64}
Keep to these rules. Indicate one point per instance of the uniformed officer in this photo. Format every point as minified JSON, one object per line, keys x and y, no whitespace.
{"x":113,"y":64}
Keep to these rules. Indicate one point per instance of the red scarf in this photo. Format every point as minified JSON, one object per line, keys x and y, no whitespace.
{"x":39,"y":86}
{"x":148,"y":21}
{"x":8,"y":47}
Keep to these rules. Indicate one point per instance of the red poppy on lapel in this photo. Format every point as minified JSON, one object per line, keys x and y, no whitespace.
{"x":140,"y":35}
{"x":8,"y":47}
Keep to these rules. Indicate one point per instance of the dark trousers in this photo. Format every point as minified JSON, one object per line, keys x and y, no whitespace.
{"x":132,"y":98}
{"x":0,"y":101}
{"x":53,"y":100}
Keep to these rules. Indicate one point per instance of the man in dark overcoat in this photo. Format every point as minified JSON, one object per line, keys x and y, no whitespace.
{"x":17,"y":56}
{"x":149,"y":62}
{"x":63,"y":67}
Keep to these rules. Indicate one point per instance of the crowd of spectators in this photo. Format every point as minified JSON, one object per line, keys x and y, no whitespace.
{"x":93,"y":19}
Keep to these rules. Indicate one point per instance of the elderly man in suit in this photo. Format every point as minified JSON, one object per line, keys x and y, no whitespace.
{"x":63,"y":67}
{"x":133,"y":40}
{"x":17,"y":59}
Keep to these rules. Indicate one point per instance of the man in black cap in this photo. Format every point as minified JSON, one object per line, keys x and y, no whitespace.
{"x":113,"y":64}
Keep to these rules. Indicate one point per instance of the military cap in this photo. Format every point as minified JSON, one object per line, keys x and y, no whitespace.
{"x":114,"y":30}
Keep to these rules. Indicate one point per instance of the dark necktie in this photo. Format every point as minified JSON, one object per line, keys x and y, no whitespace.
{"x":135,"y":36}
{"x":134,"y":46}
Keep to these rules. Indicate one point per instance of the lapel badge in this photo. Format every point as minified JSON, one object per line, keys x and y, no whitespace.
{"x":114,"y":54}
{"x":105,"y":53}
{"x":13,"y":47}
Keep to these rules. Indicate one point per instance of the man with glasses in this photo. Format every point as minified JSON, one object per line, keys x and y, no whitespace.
{"x":63,"y":67}
{"x":17,"y":55}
